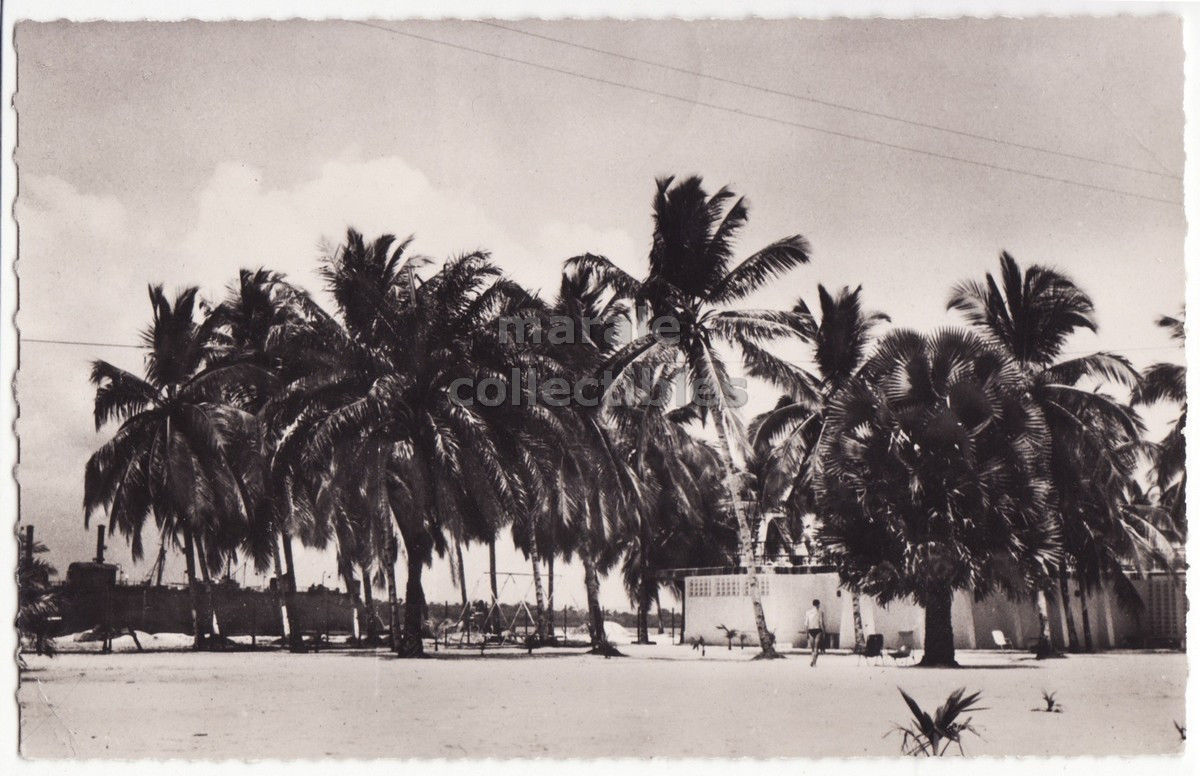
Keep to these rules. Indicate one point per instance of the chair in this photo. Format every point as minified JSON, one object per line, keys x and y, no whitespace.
{"x":1000,"y":640}
{"x":905,"y":647}
{"x":873,"y":648}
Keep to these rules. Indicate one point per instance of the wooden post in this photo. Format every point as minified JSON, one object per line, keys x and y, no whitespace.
{"x":683,"y":611}
{"x":325,"y":611}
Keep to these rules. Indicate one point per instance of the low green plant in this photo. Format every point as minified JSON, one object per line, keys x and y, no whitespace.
{"x":1052,"y":705}
{"x":930,"y":735}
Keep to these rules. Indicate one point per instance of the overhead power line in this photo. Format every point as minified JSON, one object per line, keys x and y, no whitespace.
{"x":1128,"y":349}
{"x":837,"y":105}
{"x":764,"y":117}
{"x":82,"y":343}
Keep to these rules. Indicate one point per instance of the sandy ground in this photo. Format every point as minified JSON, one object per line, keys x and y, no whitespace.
{"x":661,"y":701}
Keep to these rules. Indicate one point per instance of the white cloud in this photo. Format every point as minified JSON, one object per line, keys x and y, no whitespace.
{"x":86,"y":259}
{"x":243,"y":222}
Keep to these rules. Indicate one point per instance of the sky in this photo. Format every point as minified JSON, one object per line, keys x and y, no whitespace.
{"x":177,"y":153}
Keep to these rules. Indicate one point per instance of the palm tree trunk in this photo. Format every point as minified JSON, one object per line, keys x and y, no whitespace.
{"x":285,"y":622}
{"x":492,"y":568}
{"x":355,"y":602}
{"x":591,"y":580}
{"x":1087,"y":621}
{"x":389,"y":573}
{"x":208,"y":588}
{"x":1045,"y":637}
{"x":540,"y":624}
{"x":462,"y":574}
{"x":550,"y":593}
{"x":193,"y":594}
{"x":658,"y":606}
{"x":368,"y":601}
{"x":1064,"y":589}
{"x":414,"y":608}
{"x":765,"y":638}
{"x":289,"y":588}
{"x":939,"y":632}
{"x":644,"y":616}
{"x":860,"y":641}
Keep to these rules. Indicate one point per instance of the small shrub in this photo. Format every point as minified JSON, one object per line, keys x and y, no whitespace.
{"x":1052,"y":705}
{"x":931,"y":735}
{"x":1181,"y":730}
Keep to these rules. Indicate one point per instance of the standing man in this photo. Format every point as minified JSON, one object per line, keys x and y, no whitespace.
{"x":814,"y":622}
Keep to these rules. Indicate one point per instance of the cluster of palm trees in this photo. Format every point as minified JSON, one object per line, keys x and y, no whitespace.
{"x":975,"y":458}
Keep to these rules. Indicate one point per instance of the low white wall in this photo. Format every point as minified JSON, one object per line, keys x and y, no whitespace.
{"x":712,"y":601}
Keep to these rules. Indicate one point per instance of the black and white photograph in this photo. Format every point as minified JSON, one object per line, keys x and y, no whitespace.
{"x":532,"y":387}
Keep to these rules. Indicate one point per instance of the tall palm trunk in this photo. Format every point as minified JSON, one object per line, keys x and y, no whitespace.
{"x":1088,"y":645}
{"x":645,"y":599}
{"x":591,"y":580}
{"x":289,"y":587}
{"x":208,"y":588}
{"x":1045,"y":636}
{"x":368,"y":601}
{"x":492,"y":568}
{"x":860,"y":641}
{"x":414,"y":608}
{"x":351,"y":583}
{"x":765,"y":639}
{"x":536,"y":561}
{"x":550,"y":593}
{"x":1064,"y":589}
{"x":389,"y":574}
{"x":285,"y":617}
{"x":462,"y":574}
{"x":193,"y":593}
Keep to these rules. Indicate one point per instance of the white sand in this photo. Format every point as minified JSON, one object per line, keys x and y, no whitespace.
{"x":663,"y":700}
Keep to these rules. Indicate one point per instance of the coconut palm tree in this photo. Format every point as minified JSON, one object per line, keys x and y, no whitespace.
{"x":1168,"y":382}
{"x":931,"y":477}
{"x":691,"y":280}
{"x":178,"y":451}
{"x":388,"y":371}
{"x":1031,"y":313}
{"x":36,"y":600}
{"x":251,"y":326}
{"x":598,"y":488}
{"x":785,"y":438}
{"x":682,"y":518}
{"x":1105,"y":525}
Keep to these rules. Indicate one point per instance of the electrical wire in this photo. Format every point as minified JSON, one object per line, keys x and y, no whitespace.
{"x":837,"y":105}
{"x":765,"y":117}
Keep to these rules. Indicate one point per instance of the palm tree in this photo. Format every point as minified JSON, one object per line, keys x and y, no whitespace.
{"x":1168,"y":382}
{"x":785,"y":438}
{"x":690,"y":281}
{"x":387,"y":371}
{"x":682,"y":517}
{"x":250,"y":326}
{"x":36,"y":600}
{"x":1030,"y":314}
{"x":931,"y":477}
{"x":178,"y":450}
{"x":1105,"y":527}
{"x":591,"y":465}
